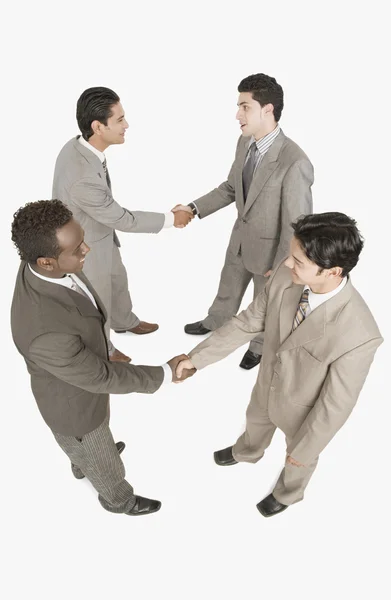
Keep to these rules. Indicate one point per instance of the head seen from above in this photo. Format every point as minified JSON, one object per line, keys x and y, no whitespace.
{"x":101,"y":117}
{"x":260,"y":103}
{"x":325,"y":247}
{"x":47,"y":236}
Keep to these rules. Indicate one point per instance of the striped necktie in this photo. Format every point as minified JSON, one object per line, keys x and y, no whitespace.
{"x":301,"y":310}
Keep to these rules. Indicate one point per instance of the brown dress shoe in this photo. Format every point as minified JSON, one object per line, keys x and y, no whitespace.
{"x":142,"y":328}
{"x":119,"y":356}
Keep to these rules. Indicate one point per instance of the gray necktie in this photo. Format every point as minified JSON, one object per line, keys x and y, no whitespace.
{"x":249,"y":168}
{"x":104,"y":164}
{"x":76,"y":288}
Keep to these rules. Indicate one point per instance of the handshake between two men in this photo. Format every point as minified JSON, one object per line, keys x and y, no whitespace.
{"x":182,"y":215}
{"x":181,"y":367}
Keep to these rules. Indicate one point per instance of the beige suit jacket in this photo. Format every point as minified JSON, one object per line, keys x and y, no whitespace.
{"x":309,"y":380}
{"x":279,"y":193}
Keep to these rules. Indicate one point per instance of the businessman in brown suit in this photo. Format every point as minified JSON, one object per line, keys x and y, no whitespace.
{"x":320,"y":340}
{"x":57,"y":325}
{"x":270,"y":183}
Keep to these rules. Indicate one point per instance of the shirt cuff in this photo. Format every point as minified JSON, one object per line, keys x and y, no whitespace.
{"x":168,"y":219}
{"x":167,"y":374}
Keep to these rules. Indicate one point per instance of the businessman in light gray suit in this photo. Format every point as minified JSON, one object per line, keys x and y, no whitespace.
{"x":82,"y":182}
{"x":270,"y":182}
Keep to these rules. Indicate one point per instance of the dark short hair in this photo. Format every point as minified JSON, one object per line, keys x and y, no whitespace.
{"x":35,"y":226}
{"x":94,"y":105}
{"x":265,"y":90}
{"x":329,"y":240}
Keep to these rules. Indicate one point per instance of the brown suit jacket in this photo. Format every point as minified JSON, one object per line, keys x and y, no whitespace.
{"x":60,"y":335}
{"x":309,"y":380}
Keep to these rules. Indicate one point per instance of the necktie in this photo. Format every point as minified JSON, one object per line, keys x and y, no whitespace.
{"x":104,"y":165}
{"x":249,"y":168}
{"x":76,"y":288}
{"x":301,"y":310}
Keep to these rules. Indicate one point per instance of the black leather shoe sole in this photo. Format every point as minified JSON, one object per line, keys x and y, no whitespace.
{"x":79,"y":475}
{"x":196,"y":329}
{"x":224,"y":458}
{"x":144,"y":506}
{"x":269,"y":506}
{"x":250,"y":360}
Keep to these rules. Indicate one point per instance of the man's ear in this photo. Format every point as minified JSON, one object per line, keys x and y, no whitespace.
{"x":48,"y":264}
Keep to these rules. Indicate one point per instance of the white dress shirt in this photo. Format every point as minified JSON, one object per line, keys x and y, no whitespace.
{"x":66,"y":281}
{"x":315,"y":300}
{"x":168,"y":217}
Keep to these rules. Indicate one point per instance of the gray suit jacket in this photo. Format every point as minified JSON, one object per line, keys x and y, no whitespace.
{"x":309,"y":380}
{"x":60,"y":335}
{"x":80,"y":182}
{"x":279,"y":193}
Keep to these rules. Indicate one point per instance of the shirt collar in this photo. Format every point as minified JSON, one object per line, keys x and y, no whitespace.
{"x":65,"y":281}
{"x":90,"y":147}
{"x":316,"y":300}
{"x":264,"y":143}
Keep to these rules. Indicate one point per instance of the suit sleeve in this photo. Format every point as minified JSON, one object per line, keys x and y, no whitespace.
{"x":66,"y":357}
{"x":336,"y":401}
{"x":296,"y":200}
{"x":96,"y":200}
{"x":220,"y":197}
{"x":238,"y":331}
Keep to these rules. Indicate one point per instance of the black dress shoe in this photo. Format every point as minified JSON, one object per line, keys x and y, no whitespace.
{"x":144,"y":506}
{"x":269,"y":506}
{"x":250,"y":360}
{"x":196,"y":328}
{"x":224,"y":458}
{"x":80,"y":475}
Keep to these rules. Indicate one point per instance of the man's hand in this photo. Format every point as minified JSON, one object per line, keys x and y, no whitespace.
{"x":293,"y":462}
{"x":182,"y":215}
{"x":268,"y":273}
{"x":187,"y":372}
{"x":185,"y":369}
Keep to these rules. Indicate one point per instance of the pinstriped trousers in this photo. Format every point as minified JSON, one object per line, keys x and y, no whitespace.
{"x":96,"y":455}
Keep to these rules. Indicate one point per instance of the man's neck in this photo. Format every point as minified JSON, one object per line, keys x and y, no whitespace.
{"x":50,"y":274}
{"x":326,"y":287}
{"x":265,"y":131}
{"x":97,"y":143}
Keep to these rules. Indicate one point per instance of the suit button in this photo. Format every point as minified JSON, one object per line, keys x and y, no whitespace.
{"x":272,"y":388}
{"x":275,"y":375}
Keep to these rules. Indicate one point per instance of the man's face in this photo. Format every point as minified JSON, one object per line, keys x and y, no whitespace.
{"x":73,"y":248}
{"x":304,"y":271}
{"x":114,"y":131}
{"x":253,"y":118}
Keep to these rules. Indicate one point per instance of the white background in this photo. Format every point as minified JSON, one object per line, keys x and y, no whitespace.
{"x":176,"y":67}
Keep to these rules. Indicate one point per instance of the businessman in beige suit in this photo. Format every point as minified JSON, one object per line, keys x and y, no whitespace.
{"x":57,"y":322}
{"x":82,"y":182}
{"x":320,"y":341}
{"x":270,"y":182}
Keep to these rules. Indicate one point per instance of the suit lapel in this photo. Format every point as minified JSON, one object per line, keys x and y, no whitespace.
{"x":314,"y":326}
{"x":90,"y":157}
{"x":263,"y":172}
{"x":87,"y":283}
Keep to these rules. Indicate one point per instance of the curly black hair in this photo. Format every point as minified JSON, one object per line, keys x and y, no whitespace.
{"x":330,"y":240}
{"x":265,"y":90}
{"x":34,"y":229}
{"x":94,"y":105}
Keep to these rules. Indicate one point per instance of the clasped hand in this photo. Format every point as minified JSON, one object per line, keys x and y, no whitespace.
{"x":182,"y":368}
{"x":182,"y":215}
